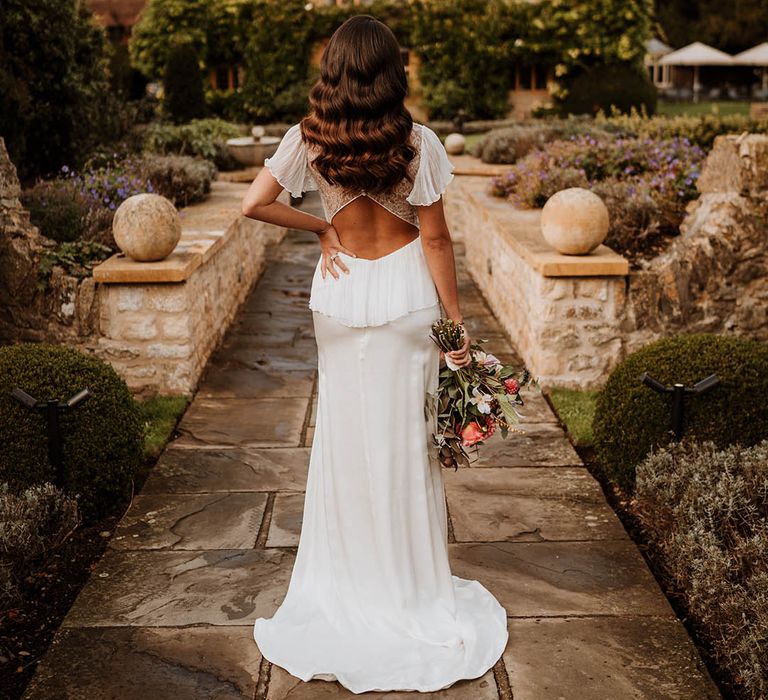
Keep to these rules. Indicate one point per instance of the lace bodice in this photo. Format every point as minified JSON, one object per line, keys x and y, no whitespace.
{"x":430,"y":172}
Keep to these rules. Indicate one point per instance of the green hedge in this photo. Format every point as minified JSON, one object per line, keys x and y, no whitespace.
{"x":102,"y":437}
{"x":619,"y":88}
{"x":468,"y":49}
{"x":631,"y":419}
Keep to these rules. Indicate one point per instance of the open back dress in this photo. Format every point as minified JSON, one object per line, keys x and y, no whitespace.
{"x":372,"y":601}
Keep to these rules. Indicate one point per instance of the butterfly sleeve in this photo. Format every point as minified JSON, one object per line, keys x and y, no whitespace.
{"x":289,"y":165}
{"x":434,"y":173}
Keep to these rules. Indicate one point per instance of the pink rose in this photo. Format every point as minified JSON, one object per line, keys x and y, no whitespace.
{"x":512,"y":386}
{"x":472,"y":434}
{"x":475,"y":432}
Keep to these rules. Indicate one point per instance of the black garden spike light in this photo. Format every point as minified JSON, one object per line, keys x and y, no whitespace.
{"x":679,"y":392}
{"x":52,"y":410}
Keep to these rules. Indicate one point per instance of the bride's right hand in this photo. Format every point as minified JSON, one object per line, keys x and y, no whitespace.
{"x":462,"y":356}
{"x":331,"y":247}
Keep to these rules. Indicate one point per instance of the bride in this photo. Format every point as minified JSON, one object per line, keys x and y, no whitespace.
{"x":371,"y":601}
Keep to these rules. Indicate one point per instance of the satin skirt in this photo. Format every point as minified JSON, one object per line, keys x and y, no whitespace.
{"x":372,"y":601}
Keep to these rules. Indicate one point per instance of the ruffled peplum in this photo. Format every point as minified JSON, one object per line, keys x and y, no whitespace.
{"x":377,"y":291}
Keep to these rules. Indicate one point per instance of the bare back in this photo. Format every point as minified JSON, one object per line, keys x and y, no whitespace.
{"x":370,"y":230}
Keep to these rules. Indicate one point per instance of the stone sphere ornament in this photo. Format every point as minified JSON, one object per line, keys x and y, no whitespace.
{"x":455,"y":144}
{"x":574,"y":221}
{"x":147,"y":227}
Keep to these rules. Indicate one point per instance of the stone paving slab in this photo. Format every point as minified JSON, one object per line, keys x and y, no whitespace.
{"x":267,"y":323}
{"x":601,"y":658}
{"x":529,"y":505}
{"x":300,"y":356}
{"x":243,"y":422}
{"x":284,"y":686}
{"x":149,"y":663}
{"x":171,"y":589}
{"x":191,"y":521}
{"x":235,"y":380}
{"x":285,"y":526}
{"x":184,"y":470}
{"x":536,"y":579}
{"x":535,"y":445}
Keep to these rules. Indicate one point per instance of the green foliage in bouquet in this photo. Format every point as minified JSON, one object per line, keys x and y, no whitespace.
{"x":471,"y":401}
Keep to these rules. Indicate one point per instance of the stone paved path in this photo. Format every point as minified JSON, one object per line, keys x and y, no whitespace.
{"x":209,"y":543}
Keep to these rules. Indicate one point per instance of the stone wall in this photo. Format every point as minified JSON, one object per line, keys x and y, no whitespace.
{"x":573,"y":329}
{"x":156,"y":323}
{"x":159,"y":336}
{"x":714,"y":277}
{"x":63,"y":312}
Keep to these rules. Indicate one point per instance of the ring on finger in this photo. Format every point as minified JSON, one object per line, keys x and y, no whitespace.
{"x":334,"y":256}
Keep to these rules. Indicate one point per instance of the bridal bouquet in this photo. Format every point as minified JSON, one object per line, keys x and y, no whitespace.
{"x":472,"y":402}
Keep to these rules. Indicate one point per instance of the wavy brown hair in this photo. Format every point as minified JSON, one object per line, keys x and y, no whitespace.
{"x":357,"y":120}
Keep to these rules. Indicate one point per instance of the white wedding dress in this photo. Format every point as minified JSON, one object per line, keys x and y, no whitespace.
{"x":371,"y":601}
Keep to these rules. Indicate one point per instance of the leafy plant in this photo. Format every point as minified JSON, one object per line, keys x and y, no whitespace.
{"x":205,"y":138}
{"x":76,"y":257}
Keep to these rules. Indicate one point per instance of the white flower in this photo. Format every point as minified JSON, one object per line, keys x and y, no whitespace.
{"x":490,"y":362}
{"x":481,"y":400}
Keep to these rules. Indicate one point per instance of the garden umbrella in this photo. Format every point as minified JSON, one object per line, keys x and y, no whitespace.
{"x":697,"y":54}
{"x":756,"y":56}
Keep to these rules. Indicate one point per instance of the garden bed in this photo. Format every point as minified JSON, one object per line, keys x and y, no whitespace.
{"x":695,"y":515}
{"x":28,"y":626}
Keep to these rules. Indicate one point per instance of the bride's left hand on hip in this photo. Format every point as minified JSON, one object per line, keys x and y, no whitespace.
{"x":331,"y":247}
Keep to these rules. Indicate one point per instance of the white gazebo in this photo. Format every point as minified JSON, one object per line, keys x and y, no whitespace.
{"x":756,"y":56}
{"x":655,"y":50}
{"x":696,"y":55}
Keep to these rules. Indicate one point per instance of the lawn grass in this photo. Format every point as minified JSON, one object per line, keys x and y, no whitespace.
{"x":576,"y":409}
{"x":472,"y":139}
{"x":159,"y":416}
{"x":691,"y":109}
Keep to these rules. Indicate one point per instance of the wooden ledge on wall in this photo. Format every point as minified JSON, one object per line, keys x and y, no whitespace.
{"x":193,"y":250}
{"x":521,"y":228}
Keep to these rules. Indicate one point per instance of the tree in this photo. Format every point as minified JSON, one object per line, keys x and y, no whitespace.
{"x":183,"y":83}
{"x":54,"y":83}
{"x":730,"y":25}
{"x":165,"y":24}
{"x":464,"y":47}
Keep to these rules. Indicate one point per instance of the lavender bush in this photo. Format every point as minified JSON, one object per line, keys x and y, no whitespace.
{"x":33,"y":523}
{"x":645,"y":183}
{"x":79,"y":206}
{"x":706,"y":513}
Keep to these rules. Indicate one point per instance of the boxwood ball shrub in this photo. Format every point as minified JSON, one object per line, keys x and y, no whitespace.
{"x":101,"y":437}
{"x":631,"y":419}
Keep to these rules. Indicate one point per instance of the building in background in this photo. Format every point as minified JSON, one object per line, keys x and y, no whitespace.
{"x":117,"y":16}
{"x":530,"y":89}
